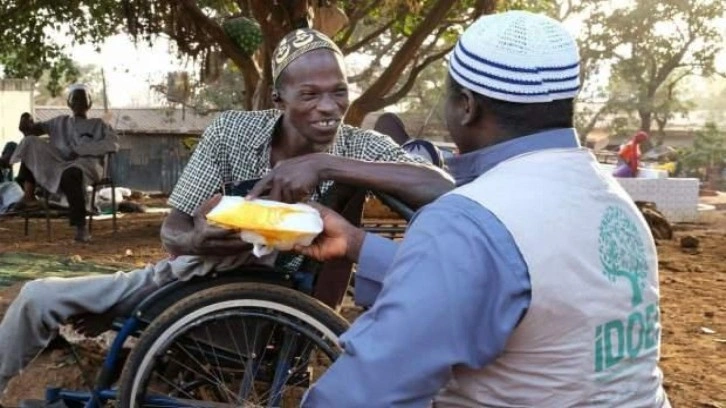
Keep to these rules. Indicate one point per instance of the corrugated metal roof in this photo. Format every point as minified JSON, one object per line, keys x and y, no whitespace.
{"x":140,"y":120}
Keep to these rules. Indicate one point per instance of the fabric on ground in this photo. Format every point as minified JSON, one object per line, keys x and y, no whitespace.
{"x":15,"y":267}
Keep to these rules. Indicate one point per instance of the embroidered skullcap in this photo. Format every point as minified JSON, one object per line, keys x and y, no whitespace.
{"x":79,"y":87}
{"x":517,"y":56}
{"x":297,"y":43}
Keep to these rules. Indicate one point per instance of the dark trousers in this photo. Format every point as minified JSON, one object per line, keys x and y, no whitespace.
{"x":71,"y":184}
{"x":6,"y":170}
{"x":8,"y":150}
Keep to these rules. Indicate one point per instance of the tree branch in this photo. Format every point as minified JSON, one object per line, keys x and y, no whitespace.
{"x":413,"y":75}
{"x":399,"y":61}
{"x":565,"y":12}
{"x":8,"y":14}
{"x":375,"y":64}
{"x":365,"y":40}
{"x":483,"y":7}
{"x":593,"y":121}
{"x":435,"y":38}
{"x":276,"y":19}
{"x":247,"y":65}
{"x":672,"y":63}
{"x":353,"y":20}
{"x":244,"y":7}
{"x":679,"y":78}
{"x":366,"y":72}
{"x":458,"y":21}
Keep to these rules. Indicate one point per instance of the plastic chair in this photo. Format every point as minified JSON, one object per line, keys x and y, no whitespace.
{"x":46,"y":212}
{"x":105,"y":181}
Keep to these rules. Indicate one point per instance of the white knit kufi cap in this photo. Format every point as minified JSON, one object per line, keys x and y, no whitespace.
{"x":80,"y":87}
{"x":519,"y":57}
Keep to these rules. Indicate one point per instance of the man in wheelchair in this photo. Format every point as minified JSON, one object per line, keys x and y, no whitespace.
{"x":297,"y":151}
{"x":532,"y":284}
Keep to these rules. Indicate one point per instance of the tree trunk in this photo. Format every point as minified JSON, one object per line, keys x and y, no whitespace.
{"x":646,"y":120}
{"x":357,"y":113}
{"x":251,"y":81}
{"x":484,"y":7}
{"x":372,"y":98}
{"x":263,"y":88}
{"x":379,"y":95}
{"x":214,"y":30}
{"x":276,"y":20}
{"x":584,"y":131}
{"x":660,"y":138}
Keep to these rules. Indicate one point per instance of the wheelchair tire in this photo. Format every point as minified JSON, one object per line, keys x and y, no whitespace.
{"x":300,"y":317}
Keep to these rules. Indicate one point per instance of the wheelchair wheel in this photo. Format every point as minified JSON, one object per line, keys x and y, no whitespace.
{"x":240,"y":344}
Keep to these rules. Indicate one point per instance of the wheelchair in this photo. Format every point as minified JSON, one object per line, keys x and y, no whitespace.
{"x":255,"y":337}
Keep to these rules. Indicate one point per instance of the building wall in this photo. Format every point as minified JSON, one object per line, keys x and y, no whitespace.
{"x":16,"y":97}
{"x":150,"y":162}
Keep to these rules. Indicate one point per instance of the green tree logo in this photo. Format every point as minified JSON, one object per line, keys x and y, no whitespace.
{"x":622,"y":251}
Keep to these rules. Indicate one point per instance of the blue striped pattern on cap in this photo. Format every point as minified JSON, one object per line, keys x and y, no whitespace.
{"x":517,"y":57}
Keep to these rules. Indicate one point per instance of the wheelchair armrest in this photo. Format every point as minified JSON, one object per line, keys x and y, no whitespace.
{"x":401,"y":208}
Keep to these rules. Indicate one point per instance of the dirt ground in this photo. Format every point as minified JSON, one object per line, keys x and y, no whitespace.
{"x":693,"y":289}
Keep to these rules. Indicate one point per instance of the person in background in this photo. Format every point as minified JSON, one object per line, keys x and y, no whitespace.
{"x":629,"y":156}
{"x":391,"y":125}
{"x":71,"y":159}
{"x":669,"y":162}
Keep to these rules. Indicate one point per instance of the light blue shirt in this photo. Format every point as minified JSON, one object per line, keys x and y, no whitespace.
{"x":450,"y":294}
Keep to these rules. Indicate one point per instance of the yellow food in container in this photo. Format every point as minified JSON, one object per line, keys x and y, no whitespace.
{"x":269,"y":225}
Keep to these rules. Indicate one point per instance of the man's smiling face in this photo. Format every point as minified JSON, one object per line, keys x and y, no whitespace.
{"x":314,"y":95}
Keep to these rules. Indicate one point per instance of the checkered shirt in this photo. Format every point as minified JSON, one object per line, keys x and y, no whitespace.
{"x":236,"y":146}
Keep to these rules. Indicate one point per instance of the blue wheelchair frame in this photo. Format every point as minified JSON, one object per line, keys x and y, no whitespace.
{"x":142,"y":316}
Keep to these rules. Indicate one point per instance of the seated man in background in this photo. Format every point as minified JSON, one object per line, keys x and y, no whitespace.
{"x":70,"y":160}
{"x":391,"y":125}
{"x":297,"y":150}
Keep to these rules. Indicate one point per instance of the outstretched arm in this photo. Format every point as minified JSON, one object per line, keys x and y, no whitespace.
{"x":371,"y":161}
{"x":29,"y":127}
{"x":294,"y":179}
{"x":415,"y":184}
{"x":455,"y":292}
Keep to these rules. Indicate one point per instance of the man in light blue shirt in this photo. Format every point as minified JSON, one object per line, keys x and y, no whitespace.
{"x":454,"y":299}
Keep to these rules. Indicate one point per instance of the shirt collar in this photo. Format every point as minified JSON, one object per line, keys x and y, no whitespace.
{"x":263,"y":137}
{"x":467,"y":167}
